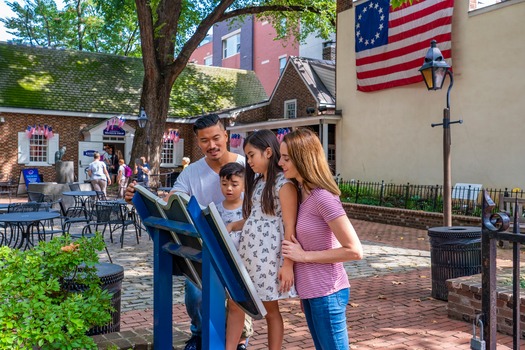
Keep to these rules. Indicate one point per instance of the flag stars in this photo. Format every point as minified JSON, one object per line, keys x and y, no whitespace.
{"x":377,"y":35}
{"x":367,"y":36}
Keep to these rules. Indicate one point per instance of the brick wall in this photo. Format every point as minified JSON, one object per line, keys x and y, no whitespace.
{"x":291,"y":87}
{"x":69,"y":130}
{"x":403,"y":217}
{"x":464,"y":302}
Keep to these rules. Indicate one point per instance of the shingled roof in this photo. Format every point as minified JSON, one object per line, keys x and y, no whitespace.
{"x":78,"y":81}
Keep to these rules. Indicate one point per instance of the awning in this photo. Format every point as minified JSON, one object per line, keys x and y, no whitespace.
{"x":286,"y":123}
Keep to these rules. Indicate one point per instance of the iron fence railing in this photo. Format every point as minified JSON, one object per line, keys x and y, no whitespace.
{"x":466,"y":200}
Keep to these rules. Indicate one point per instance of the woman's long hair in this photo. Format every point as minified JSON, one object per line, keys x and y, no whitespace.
{"x":261,"y":140}
{"x":307,"y":154}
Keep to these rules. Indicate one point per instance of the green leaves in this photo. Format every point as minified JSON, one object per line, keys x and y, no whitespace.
{"x":38,"y":309}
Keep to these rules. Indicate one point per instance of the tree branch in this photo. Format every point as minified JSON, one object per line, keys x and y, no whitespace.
{"x":270,"y":8}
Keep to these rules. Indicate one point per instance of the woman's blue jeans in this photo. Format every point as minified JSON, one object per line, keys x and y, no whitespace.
{"x":326,"y":318}
{"x":193,"y":301}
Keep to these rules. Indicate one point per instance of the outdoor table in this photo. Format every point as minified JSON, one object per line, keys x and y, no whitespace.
{"x":26,"y":220}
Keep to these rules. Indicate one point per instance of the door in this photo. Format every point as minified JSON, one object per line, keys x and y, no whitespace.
{"x":85,"y":157}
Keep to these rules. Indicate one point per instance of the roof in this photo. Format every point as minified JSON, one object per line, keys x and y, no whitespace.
{"x":318,"y":76}
{"x":79,"y":81}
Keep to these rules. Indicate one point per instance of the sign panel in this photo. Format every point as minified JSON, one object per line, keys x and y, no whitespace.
{"x":114,"y":131}
{"x":30,"y":175}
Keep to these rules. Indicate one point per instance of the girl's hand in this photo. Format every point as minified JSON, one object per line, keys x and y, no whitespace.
{"x":286,"y":276}
{"x":293,"y":250}
{"x":229,"y":227}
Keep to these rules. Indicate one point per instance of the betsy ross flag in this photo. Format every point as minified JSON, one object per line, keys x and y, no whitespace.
{"x":391,"y":44}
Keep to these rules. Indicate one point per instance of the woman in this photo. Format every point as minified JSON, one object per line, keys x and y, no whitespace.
{"x":98,"y":173}
{"x":325,"y":239}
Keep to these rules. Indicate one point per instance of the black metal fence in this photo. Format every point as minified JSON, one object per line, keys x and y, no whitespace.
{"x":466,"y":200}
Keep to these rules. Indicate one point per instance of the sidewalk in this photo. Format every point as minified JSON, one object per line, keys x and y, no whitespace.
{"x":390,"y":306}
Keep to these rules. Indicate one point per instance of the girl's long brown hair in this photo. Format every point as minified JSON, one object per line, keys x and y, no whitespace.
{"x":307,"y":154}
{"x":261,"y":140}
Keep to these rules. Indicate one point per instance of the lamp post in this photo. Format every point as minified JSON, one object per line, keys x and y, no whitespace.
{"x":434,"y":71}
{"x":143,"y":122}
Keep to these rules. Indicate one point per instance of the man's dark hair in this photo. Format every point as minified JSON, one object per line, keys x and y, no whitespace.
{"x":206,"y":121}
{"x":231,"y":169}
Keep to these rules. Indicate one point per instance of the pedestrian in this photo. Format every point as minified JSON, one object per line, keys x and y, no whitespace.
{"x":230,"y":209}
{"x":98,"y":174}
{"x":269,"y":212}
{"x":117,"y":156}
{"x":324,"y":239}
{"x":121,"y":178}
{"x":201,"y":179}
{"x":185,"y":162}
{"x":142,"y":171}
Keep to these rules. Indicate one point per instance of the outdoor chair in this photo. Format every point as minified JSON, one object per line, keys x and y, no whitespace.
{"x":119,"y":219}
{"x":72,"y":216}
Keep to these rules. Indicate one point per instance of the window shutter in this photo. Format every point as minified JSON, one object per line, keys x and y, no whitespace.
{"x":179,"y":152}
{"x":52,"y":147}
{"x":23,"y":148}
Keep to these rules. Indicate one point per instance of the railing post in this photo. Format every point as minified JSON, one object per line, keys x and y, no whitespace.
{"x":407,"y":190}
{"x":357,"y":192}
{"x":382,"y":193}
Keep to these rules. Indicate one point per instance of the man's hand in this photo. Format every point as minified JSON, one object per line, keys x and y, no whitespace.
{"x":130,"y":191}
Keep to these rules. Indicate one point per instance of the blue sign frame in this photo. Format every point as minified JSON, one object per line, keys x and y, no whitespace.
{"x":193,"y":241}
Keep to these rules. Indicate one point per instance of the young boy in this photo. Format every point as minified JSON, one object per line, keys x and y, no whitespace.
{"x":232,"y":187}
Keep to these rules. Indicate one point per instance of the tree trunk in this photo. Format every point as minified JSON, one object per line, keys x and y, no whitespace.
{"x":148,"y":141}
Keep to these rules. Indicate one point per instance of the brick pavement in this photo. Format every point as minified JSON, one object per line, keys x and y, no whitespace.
{"x":390,"y":306}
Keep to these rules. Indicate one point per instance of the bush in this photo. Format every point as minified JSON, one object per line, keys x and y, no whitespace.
{"x":37,"y":308}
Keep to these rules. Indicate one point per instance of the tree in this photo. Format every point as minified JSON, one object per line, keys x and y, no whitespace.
{"x":170,"y":30}
{"x":91,"y":25}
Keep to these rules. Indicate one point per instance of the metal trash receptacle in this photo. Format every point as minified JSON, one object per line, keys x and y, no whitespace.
{"x":111,"y":276}
{"x":454,"y":252}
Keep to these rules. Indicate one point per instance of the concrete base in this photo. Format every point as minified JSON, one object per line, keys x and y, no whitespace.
{"x":65,"y":172}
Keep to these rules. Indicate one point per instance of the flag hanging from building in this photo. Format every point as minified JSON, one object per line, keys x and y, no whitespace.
{"x":391,"y":44}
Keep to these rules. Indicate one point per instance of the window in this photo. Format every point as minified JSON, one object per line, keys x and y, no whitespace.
{"x":231,"y":45}
{"x":208,"y":61}
{"x":282,"y":64}
{"x":290,"y":109}
{"x":37,"y":150}
{"x":172,"y":153}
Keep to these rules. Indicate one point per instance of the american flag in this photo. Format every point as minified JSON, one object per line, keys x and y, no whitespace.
{"x":391,"y":44}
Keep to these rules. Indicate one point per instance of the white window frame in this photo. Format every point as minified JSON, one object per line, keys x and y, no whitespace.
{"x":233,"y":38}
{"x":24,"y":150}
{"x":290,"y":109}
{"x":208,"y":60}
{"x":282,"y":63}
{"x":178,"y":153}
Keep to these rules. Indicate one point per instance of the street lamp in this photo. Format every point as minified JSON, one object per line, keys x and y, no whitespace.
{"x":434,"y":71}
{"x":143,"y":118}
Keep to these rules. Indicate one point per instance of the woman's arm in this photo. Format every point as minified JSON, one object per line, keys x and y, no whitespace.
{"x":343,"y":230}
{"x":288,"y":199}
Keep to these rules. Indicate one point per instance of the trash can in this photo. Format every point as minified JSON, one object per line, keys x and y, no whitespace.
{"x":454,"y":252}
{"x":111,"y":276}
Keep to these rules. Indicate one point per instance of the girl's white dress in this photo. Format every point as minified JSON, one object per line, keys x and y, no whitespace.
{"x":260,"y":244}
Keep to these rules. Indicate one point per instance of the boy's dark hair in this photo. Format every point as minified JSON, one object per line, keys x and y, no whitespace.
{"x":206,"y":121}
{"x":231,"y":169}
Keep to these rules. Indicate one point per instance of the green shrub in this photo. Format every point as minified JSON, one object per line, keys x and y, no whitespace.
{"x":37,"y":308}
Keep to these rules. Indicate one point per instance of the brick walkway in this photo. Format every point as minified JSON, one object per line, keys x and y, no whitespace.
{"x":390,"y":306}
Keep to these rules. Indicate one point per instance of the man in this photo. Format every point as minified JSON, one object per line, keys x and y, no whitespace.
{"x":142,"y":172}
{"x":201,"y":179}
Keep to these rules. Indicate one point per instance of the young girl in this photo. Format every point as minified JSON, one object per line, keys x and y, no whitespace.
{"x":325,"y":239}
{"x":269,"y":212}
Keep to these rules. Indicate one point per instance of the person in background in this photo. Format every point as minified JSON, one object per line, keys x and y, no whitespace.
{"x":121,"y":178}
{"x":324,"y":239}
{"x":117,"y":155}
{"x":232,"y":187}
{"x":98,"y":174}
{"x":201,"y":179}
{"x":185,"y":162}
{"x":142,"y":172}
{"x":269,"y":212}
